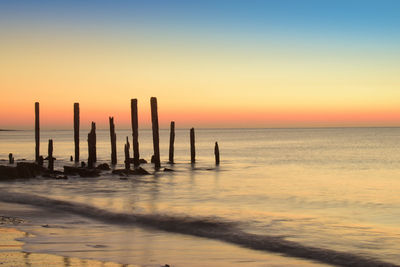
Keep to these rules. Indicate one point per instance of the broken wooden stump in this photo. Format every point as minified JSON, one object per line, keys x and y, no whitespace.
{"x":37,"y":132}
{"x":113,"y":138}
{"x":10,"y":158}
{"x":135,"y":132}
{"x":216,"y":153}
{"x":76,"y":131}
{"x":50,"y":156}
{"x":92,"y":146}
{"x":192,"y":147}
{"x":156,"y":138}
{"x":171,"y":142}
{"x":126,"y":150}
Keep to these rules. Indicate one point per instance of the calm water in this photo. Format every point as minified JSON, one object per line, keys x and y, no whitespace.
{"x":335,"y":189}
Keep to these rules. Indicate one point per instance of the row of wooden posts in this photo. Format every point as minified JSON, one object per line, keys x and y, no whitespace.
{"x":135,"y":136}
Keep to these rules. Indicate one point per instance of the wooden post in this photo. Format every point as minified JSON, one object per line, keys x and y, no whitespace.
{"x":156,"y":138}
{"x":192,"y":147}
{"x":92,"y":146}
{"x":171,"y":142}
{"x":94,"y":142}
{"x":135,"y":132}
{"x":50,"y":155}
{"x":37,"y":132}
{"x":76,"y":131}
{"x":127,"y":159}
{"x":113,"y":141}
{"x":216,"y":153}
{"x":10,"y":158}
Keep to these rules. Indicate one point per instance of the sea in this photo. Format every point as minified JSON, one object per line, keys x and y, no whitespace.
{"x":280,"y":197}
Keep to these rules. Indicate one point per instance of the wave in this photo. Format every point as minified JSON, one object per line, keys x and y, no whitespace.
{"x":212,"y":228}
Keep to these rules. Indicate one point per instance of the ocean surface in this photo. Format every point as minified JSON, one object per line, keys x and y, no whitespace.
{"x":293,"y":197}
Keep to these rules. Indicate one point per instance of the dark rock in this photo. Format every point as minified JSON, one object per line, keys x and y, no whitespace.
{"x":141,"y":161}
{"x":83,"y":172}
{"x":137,"y":171}
{"x":40,"y":161}
{"x":71,"y":158}
{"x":103,"y":167}
{"x":22,"y":170}
{"x":47,"y":158}
{"x":152,"y":159}
{"x":83,"y":164}
{"x":168,"y":170}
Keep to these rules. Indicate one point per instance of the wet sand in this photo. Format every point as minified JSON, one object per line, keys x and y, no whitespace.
{"x":12,"y":254}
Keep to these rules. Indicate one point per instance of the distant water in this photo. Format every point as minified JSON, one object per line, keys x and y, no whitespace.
{"x":330,"y":195}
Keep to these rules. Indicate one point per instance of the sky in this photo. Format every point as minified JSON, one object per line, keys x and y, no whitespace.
{"x":220,"y":63}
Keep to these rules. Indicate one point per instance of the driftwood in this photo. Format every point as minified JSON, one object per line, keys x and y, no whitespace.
{"x":156,"y":138}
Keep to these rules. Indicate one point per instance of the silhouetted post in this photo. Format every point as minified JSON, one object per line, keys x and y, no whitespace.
{"x":216,"y":153}
{"x":156,"y":139}
{"x":192,"y":147}
{"x":113,"y":141}
{"x":126,"y":149}
{"x":37,"y":132}
{"x":10,"y":158}
{"x":94,"y":142}
{"x":135,"y":132}
{"x":76,"y":131}
{"x":92,"y":146}
{"x":171,"y":142}
{"x":50,"y":155}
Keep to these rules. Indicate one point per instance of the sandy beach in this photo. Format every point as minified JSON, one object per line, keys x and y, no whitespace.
{"x":12,"y":253}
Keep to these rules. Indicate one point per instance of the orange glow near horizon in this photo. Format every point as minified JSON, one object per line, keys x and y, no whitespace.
{"x":61,"y":117}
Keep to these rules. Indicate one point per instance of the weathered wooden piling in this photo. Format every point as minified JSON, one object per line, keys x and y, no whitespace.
{"x":192,"y":147}
{"x":126,"y":150}
{"x":113,"y":138}
{"x":171,"y":142}
{"x":50,"y":155}
{"x":156,"y":138}
{"x":216,"y":153}
{"x":135,"y":132}
{"x":37,"y":132}
{"x":92,"y":146}
{"x":10,"y":158}
{"x":76,"y":131}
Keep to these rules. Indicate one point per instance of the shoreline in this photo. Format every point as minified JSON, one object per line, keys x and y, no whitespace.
{"x":12,"y":252}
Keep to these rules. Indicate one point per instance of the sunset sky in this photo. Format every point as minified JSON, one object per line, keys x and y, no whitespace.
{"x":286,"y":63}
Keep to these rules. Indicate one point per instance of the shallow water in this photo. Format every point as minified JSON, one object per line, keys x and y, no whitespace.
{"x":333,"y":189}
